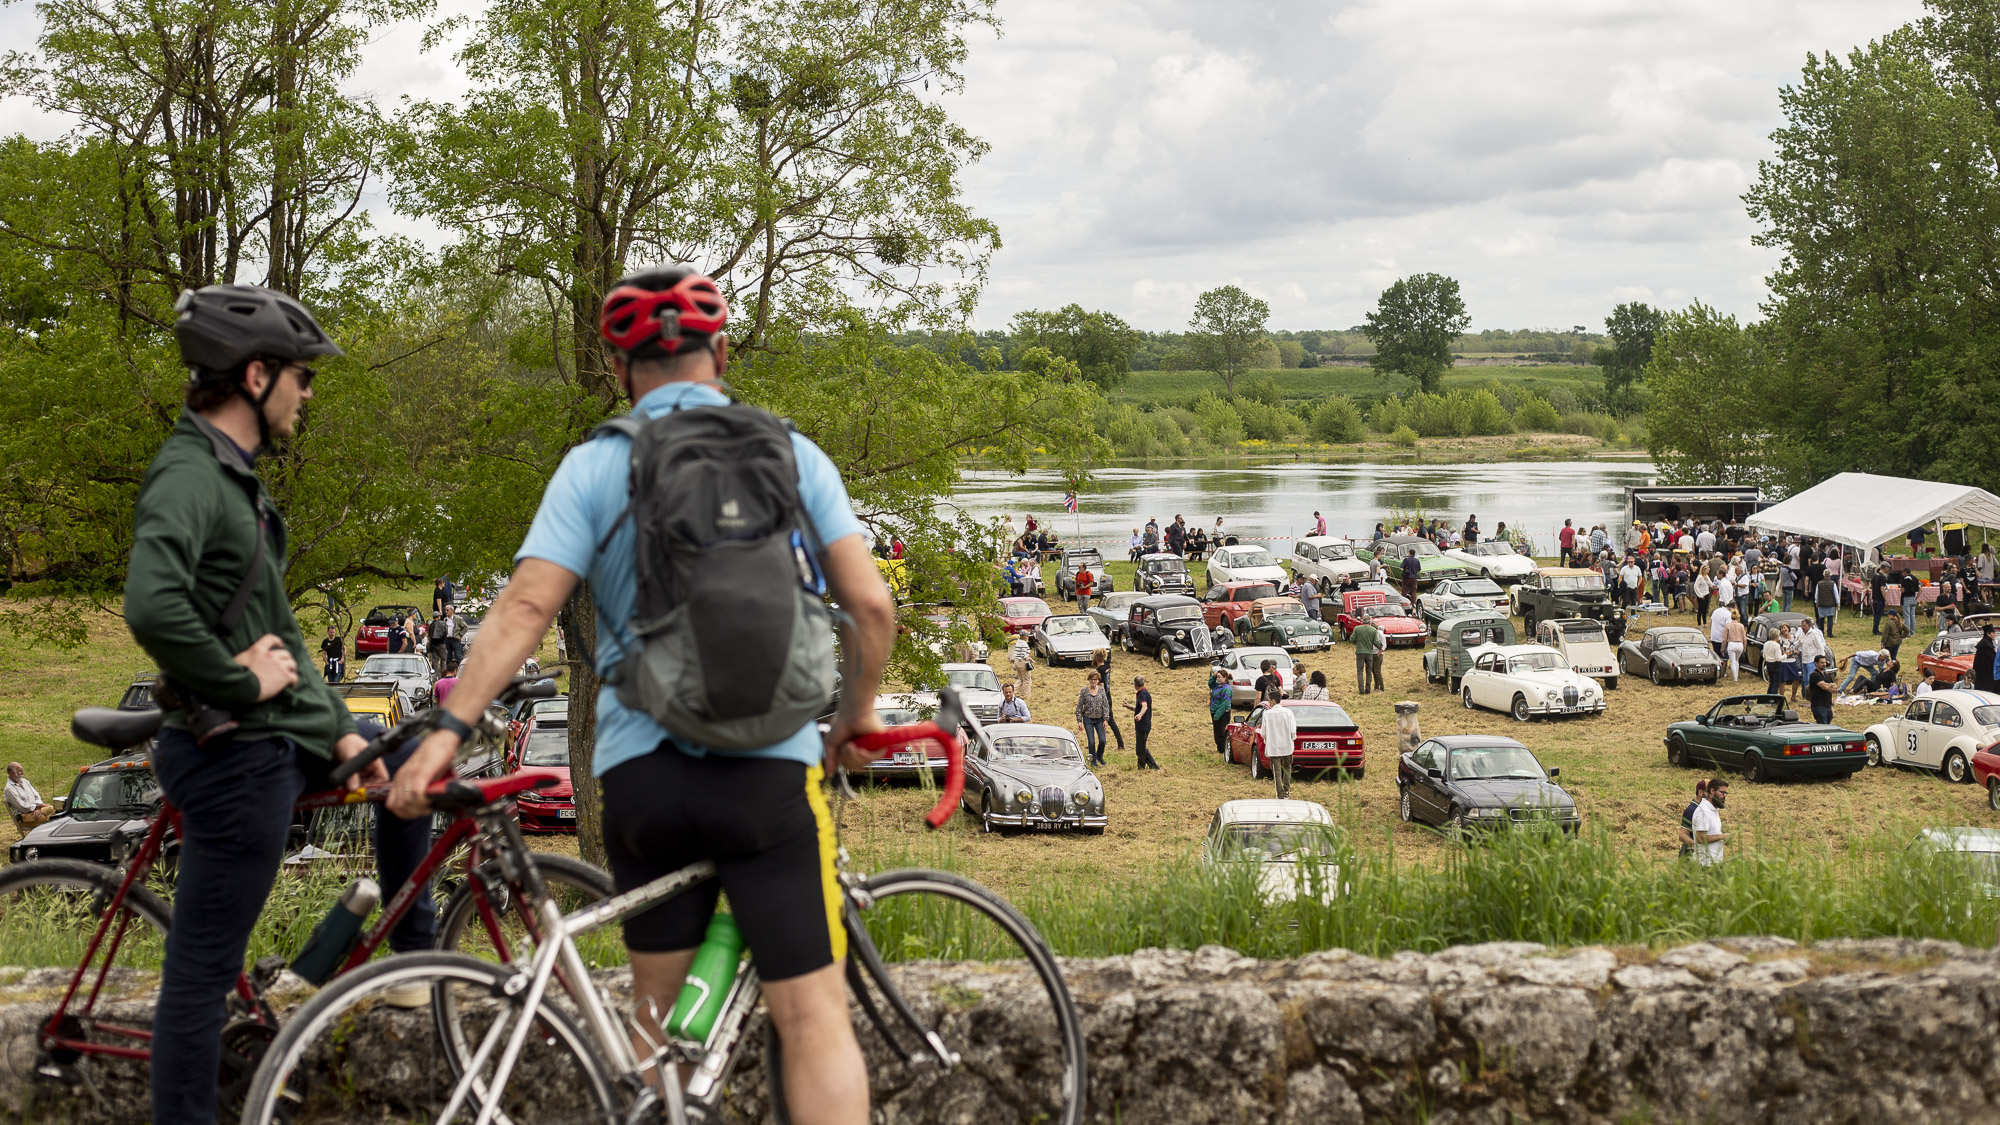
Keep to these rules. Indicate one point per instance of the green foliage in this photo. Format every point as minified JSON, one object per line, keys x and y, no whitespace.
{"x":1535,"y":413}
{"x":1707,"y":423}
{"x":1335,"y":421}
{"x":1386,"y":416}
{"x":1225,"y":332}
{"x":1632,"y":326}
{"x":1413,"y":325}
{"x":1261,"y":388}
{"x":1268,"y":423}
{"x":1142,"y":433}
{"x":1291,"y":353}
{"x":1460,"y":412}
{"x":1100,"y":344}
{"x":1219,"y":422}
{"x":1404,"y":436}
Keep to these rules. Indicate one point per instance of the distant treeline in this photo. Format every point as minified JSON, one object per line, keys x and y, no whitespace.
{"x":1169,"y":351}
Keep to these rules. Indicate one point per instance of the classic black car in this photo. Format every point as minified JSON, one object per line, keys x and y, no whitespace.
{"x":1169,"y":628}
{"x":1164,"y":574}
{"x":1762,"y":628}
{"x":1473,"y":782}
{"x":105,"y":816}
{"x":1670,"y":654}
{"x":1757,"y":736}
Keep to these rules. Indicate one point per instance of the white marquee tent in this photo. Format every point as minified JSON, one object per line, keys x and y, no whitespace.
{"x":1863,"y":510}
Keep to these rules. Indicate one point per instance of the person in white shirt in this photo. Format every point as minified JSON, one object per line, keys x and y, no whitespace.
{"x":1023,"y":660}
{"x":1704,"y":542}
{"x":1702,"y":590}
{"x":1138,"y":545}
{"x":1708,"y":824}
{"x":1774,"y":665}
{"x":1012,"y":710}
{"x":1725,"y":588}
{"x":1986,"y":563}
{"x":1718,"y":624}
{"x":24,"y":801}
{"x":1280,"y":728}
{"x":1861,"y":665}
{"x":1926,"y":685}
{"x":1628,"y":580}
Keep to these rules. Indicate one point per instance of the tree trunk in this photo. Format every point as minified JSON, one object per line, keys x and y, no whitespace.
{"x":578,"y":622}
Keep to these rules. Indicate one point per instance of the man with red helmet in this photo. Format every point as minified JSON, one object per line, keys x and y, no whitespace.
{"x":759,"y":814}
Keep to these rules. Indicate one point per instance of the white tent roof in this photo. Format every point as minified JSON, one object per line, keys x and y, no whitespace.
{"x":1863,"y":510}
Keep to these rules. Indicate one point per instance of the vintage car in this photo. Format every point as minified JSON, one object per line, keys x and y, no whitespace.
{"x":1496,"y":560}
{"x":1526,"y":681}
{"x":1432,"y":566}
{"x":1169,"y":627}
{"x":1468,"y":593}
{"x":139,"y":693}
{"x":1584,"y":644}
{"x":1244,"y":665}
{"x":1328,"y":739}
{"x":1021,"y":615}
{"x":1245,"y":562}
{"x":1163,"y":574}
{"x":107,"y":813}
{"x":1670,"y":654}
{"x":1228,"y":603}
{"x":1390,"y":592}
{"x":380,"y":700}
{"x":1940,"y":730}
{"x":1031,"y":775}
{"x":1986,"y":772}
{"x":1554,"y":592}
{"x":978,"y":689}
{"x":911,"y":759}
{"x":1068,"y":638}
{"x":1327,"y":560}
{"x":373,"y":636}
{"x":949,"y":636}
{"x":1083,"y":558}
{"x":1755,"y":735}
{"x":1762,"y":628}
{"x":542,"y":750}
{"x":411,"y":674}
{"x":1458,"y":638}
{"x":1291,"y":842}
{"x":1110,"y":611}
{"x":1950,"y":655}
{"x":1470,"y":782}
{"x":1283,"y":622}
{"x":1394,"y":620}
{"x":1973,"y":852}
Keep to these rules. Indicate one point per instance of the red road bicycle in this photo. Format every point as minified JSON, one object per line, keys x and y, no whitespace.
{"x":51,"y":906}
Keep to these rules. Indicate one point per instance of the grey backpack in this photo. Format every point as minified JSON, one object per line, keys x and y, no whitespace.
{"x":731,"y":639}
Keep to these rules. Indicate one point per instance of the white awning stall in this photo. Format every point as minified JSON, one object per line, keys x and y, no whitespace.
{"x":1864,"y":511}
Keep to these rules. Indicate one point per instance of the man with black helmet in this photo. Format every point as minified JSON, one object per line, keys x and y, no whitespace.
{"x":250,"y":722}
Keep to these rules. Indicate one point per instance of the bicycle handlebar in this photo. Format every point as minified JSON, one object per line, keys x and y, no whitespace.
{"x":522,"y":687}
{"x":943,"y":730}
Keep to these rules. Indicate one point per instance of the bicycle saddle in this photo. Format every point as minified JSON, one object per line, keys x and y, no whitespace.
{"x":115,"y":730}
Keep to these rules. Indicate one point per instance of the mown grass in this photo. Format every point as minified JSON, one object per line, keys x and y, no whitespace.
{"x":1179,"y":387}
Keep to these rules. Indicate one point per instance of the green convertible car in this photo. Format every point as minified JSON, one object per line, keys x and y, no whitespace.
{"x":1755,"y":735}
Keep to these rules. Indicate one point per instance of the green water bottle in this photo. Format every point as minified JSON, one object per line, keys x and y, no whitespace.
{"x":708,"y":981}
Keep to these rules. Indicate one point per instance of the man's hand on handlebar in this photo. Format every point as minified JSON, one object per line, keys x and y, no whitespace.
{"x":840,"y":748}
{"x":371,"y":774}
{"x":432,"y":762}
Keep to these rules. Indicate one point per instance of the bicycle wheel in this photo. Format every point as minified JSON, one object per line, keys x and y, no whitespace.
{"x":974,"y":973}
{"x":493,"y":928}
{"x":347,"y":1055}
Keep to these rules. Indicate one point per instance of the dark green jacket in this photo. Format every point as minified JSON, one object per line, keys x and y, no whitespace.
{"x":193,"y":539}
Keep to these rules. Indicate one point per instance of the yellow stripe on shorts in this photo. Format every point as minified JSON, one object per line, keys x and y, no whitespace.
{"x":829,"y":880}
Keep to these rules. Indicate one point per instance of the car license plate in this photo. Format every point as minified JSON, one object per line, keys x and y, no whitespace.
{"x":1319,"y":745}
{"x":1831,"y":748}
{"x":909,"y":757}
{"x":565,"y":814}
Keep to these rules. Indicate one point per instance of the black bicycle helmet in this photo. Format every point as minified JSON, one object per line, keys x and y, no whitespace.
{"x":223,"y":326}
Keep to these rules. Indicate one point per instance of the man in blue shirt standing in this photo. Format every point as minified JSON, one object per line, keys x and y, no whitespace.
{"x":759,"y":814}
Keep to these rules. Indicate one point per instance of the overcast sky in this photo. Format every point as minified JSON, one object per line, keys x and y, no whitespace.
{"x":1556,"y":156}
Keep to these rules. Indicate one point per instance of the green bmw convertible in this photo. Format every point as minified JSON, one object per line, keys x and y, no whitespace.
{"x":1755,"y":736}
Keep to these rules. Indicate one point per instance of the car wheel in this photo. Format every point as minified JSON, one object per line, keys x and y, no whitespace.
{"x":1461,"y":823}
{"x":1993,"y":793}
{"x":1527,"y":621}
{"x":1874,"y":751}
{"x":1520,"y":709}
{"x":1255,"y":774}
{"x":1610,"y":683}
{"x":1125,"y":639}
{"x":1356,"y":773}
{"x":1955,"y":769}
{"x":1166,"y":658}
{"x":1755,"y":770}
{"x":1465,"y":697}
{"x":1403,"y":807}
{"x":1677,"y":752}
{"x":1657,"y":681}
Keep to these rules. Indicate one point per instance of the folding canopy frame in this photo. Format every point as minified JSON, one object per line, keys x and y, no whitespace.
{"x":1862,"y":510}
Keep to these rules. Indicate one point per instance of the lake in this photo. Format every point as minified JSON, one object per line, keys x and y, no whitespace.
{"x":1278,"y":500}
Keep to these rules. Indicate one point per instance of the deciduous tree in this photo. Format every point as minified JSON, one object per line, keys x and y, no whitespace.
{"x":1227,"y":329}
{"x":1413,"y":326}
{"x":1099,"y":343}
{"x":1707,"y":422}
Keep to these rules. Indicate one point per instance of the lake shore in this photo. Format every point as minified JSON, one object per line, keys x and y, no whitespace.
{"x":1478,"y":450}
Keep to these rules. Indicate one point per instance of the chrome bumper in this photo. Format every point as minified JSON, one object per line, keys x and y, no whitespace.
{"x":1037,"y":820}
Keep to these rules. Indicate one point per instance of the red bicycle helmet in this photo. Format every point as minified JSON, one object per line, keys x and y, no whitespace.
{"x":652,"y":315}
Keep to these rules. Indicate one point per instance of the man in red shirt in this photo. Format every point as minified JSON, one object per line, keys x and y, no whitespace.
{"x":1568,"y":540}
{"x":1083,"y":581}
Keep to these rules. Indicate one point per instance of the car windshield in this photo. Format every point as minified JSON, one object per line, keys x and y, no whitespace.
{"x":1987,"y":716}
{"x":1476,"y":587}
{"x":395,"y":666}
{"x":1165,"y":566}
{"x":1248,"y":556}
{"x":1336,"y":551}
{"x":1498,"y":547}
{"x":1282,"y":842}
{"x":901,"y":716}
{"x":1425,"y":548}
{"x":1960,"y":646}
{"x":548,"y":745}
{"x":973,"y":679}
{"x":1180,"y":615}
{"x":1535,"y":662}
{"x":1381,"y":609}
{"x":1025,"y":607}
{"x":98,"y":795}
{"x":1065,"y":626}
{"x":1576,"y":582}
{"x":1759,"y":707}
{"x":1089,"y":557}
{"x":1284,"y":609}
{"x":1251,"y":659}
{"x":1253,"y":592}
{"x":1581,"y":631}
{"x":1047,"y":746}
{"x":1122,"y":599}
{"x":1679,"y":638}
{"x":1495,"y":763}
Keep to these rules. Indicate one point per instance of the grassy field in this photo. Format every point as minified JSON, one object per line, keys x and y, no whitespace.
{"x":1174,"y":387}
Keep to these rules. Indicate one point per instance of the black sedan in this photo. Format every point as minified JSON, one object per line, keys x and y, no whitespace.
{"x":1762,"y":628}
{"x":1169,"y":627}
{"x":1474,"y":782}
{"x":107,"y":813}
{"x":1670,"y":654}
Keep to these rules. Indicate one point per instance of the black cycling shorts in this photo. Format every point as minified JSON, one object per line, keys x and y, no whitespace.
{"x":763,"y":821}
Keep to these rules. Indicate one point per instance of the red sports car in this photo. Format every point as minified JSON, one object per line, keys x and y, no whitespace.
{"x":1986,"y":772}
{"x":543,"y":748}
{"x":1021,"y":615}
{"x":1328,"y":739}
{"x":1229,"y":602}
{"x":373,"y":636}
{"x":1950,"y":656}
{"x":1397,"y":624}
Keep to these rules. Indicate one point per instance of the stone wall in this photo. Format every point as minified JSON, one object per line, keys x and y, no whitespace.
{"x":1741,"y":1030}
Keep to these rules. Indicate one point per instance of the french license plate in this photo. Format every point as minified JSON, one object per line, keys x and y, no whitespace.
{"x":909,"y":757}
{"x":1830,"y":748}
{"x":565,"y":814}
{"x":1319,"y":745}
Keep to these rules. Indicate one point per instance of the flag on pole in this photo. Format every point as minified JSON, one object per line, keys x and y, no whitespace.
{"x":1069,"y":501}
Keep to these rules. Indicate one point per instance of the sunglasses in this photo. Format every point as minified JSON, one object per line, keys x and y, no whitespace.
{"x":306,"y":375}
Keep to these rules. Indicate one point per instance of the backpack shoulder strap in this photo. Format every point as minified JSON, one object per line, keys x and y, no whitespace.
{"x":240,"y":600}
{"x":626,"y":424}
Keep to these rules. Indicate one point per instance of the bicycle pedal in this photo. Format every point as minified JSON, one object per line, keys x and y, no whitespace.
{"x":265,"y":972}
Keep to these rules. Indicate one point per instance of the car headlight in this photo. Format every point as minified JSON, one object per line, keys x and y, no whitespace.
{"x":1554,"y":695}
{"x":1023,"y":797}
{"x":1489,"y":813}
{"x":1079,"y":798}
{"x":31,"y":853}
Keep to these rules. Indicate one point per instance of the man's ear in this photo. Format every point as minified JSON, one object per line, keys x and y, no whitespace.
{"x":256,"y":377}
{"x":721,"y":354}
